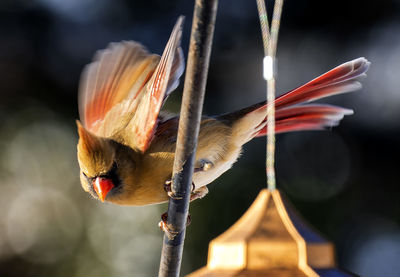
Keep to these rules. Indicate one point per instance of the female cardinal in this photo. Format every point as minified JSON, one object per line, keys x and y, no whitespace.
{"x":126,"y":145}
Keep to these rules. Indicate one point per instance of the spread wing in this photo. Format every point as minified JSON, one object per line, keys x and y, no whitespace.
{"x":125,"y":86}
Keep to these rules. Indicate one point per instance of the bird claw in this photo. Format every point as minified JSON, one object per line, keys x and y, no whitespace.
{"x":164,"y":227}
{"x":198,"y":193}
{"x":171,"y":234}
{"x":204,"y":165}
{"x":168,"y":189}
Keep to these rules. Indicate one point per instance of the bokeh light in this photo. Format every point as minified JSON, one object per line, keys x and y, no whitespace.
{"x":373,"y":241}
{"x":76,"y":10}
{"x":313,"y":166}
{"x":43,"y":225}
{"x":126,"y":239}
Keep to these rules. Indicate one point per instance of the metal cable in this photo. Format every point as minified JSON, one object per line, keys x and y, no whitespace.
{"x":270,"y":39}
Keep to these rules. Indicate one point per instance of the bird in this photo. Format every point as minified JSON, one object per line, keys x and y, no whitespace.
{"x":126,"y":144}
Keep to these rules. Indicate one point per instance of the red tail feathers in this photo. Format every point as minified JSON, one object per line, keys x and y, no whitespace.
{"x":293,"y":115}
{"x":306,"y":117}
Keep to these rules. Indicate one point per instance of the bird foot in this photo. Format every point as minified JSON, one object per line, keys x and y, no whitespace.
{"x":171,"y":234}
{"x":168,"y":189}
{"x":198,"y":193}
{"x":203,"y":165}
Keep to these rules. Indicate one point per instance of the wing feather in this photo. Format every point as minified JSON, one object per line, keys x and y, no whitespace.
{"x":118,"y":71}
{"x":157,"y":90}
{"x":125,"y":86}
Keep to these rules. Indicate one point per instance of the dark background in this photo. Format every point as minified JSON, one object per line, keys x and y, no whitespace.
{"x":343,"y":181}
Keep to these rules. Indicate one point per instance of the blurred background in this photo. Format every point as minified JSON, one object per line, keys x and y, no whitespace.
{"x":344,"y":181}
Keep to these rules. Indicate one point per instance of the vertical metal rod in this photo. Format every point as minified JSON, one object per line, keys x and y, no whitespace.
{"x":189,"y":125}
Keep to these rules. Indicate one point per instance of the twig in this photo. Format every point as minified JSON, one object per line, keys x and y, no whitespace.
{"x":189,"y":125}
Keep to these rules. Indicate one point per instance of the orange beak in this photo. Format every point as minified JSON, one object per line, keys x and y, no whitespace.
{"x":102,"y":186}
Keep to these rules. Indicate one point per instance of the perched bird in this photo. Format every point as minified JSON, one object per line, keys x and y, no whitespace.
{"x":126,"y":145}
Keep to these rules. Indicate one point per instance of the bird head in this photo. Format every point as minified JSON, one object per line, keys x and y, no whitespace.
{"x":102,"y":163}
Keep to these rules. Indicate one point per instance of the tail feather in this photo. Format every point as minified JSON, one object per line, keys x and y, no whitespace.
{"x":317,"y":109}
{"x":305,"y":117}
{"x":341,"y":79}
{"x":292,"y":114}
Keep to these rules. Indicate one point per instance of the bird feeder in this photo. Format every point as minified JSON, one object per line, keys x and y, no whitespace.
{"x":270,"y":239}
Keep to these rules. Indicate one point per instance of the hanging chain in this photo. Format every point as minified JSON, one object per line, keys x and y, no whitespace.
{"x":270,"y":39}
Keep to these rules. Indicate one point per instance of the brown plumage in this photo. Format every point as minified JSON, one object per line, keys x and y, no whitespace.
{"x":126,"y":145}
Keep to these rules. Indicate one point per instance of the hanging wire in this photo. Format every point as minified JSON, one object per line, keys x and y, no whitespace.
{"x":264,"y":24}
{"x":270,"y":39}
{"x":276,"y":20}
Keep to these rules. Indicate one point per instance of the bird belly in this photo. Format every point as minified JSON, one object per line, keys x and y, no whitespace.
{"x":203,"y":178}
{"x":215,"y":145}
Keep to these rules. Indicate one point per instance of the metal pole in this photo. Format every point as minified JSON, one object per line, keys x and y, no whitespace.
{"x":189,"y":125}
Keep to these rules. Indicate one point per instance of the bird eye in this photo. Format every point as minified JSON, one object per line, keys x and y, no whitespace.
{"x":87,"y":177}
{"x":113,"y":174}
